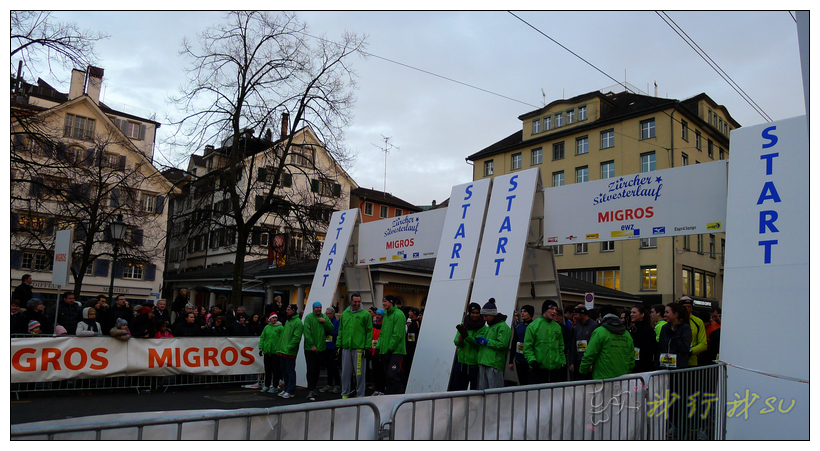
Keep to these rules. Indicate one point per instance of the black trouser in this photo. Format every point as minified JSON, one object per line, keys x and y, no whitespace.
{"x":523,"y":371}
{"x":393,"y":374}
{"x":272,"y":370}
{"x":313,"y":363}
{"x":377,"y":372}
{"x":464,"y":376}
{"x":543,"y":375}
{"x":576,"y":374}
{"x":332,"y":366}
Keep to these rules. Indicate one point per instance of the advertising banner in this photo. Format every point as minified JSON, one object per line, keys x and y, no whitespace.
{"x":677,"y":201}
{"x":768,"y":261}
{"x":409,"y":237}
{"x":450,"y":286}
{"x":45,"y":359}
{"x":62,"y":257}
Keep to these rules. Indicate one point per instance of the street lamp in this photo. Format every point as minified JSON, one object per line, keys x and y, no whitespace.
{"x":117,"y":229}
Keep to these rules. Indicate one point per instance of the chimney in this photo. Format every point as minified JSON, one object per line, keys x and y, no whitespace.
{"x":95,"y":76}
{"x":285,"y":120}
{"x":77,"y":84}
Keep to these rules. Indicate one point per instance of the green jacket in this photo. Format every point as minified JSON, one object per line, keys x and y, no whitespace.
{"x":392,"y":336}
{"x":544,"y":343}
{"x":698,"y":339}
{"x":610,"y":351}
{"x":271,"y":338}
{"x":467,"y":352}
{"x":658,"y":330}
{"x":291,"y":336}
{"x":494,"y":353}
{"x":355,"y":330}
{"x":316,"y":332}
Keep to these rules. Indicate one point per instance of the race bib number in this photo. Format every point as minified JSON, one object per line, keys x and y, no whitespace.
{"x":411,"y":337}
{"x":374,"y":344}
{"x":519,"y":347}
{"x":637,"y":353}
{"x":669,"y":360}
{"x":329,"y":339}
{"x":581,"y":345}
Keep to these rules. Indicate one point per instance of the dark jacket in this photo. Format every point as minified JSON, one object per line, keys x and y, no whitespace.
{"x":141,"y":327}
{"x":164,"y":316}
{"x":580,"y":333}
{"x":255,"y":328}
{"x":517,"y":347}
{"x":21,"y":326}
{"x":643,"y":338}
{"x":68,"y":316}
{"x":240,"y":329}
{"x":676,"y":342}
{"x":22,"y":293}
{"x":185,"y":329}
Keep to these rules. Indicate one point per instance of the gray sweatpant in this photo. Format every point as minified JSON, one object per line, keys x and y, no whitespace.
{"x":489,"y":377}
{"x":353,"y":363}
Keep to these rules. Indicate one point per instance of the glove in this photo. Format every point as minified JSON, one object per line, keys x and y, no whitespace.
{"x":461,"y":330}
{"x":260,"y":353}
{"x":481,"y":340}
{"x":535,"y":365}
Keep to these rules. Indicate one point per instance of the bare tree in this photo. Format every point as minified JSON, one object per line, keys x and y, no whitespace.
{"x":244,"y":74}
{"x":81,"y":184}
{"x":37,"y":38}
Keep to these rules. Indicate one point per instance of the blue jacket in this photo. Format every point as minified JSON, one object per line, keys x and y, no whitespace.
{"x":332,"y":344}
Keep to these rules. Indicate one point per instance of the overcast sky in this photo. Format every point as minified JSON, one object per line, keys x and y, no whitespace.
{"x":435,"y":123}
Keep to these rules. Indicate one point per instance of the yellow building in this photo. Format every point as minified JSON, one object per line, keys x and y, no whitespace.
{"x":601,"y":135}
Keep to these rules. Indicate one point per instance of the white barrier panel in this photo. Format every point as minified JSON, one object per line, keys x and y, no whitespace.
{"x":53,"y":359}
{"x":504,"y":240}
{"x":409,"y":237}
{"x":677,"y":201}
{"x":449,"y":287}
{"x":767,"y":264}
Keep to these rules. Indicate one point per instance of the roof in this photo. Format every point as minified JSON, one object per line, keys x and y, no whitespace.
{"x":384,"y":198}
{"x":615,"y":107}
{"x":224,"y":271}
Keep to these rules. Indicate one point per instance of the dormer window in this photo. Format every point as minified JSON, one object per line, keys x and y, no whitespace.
{"x":547,"y":123}
{"x":536,"y":126}
{"x":559,"y":119}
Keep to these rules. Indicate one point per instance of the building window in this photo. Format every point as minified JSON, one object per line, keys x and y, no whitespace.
{"x":649,"y":278}
{"x":607,"y":246}
{"x":303,"y":156}
{"x":648,"y":129}
{"x":79,"y":127}
{"x":607,"y":169}
{"x":488,"y":167}
{"x":559,"y":119}
{"x":687,"y":243}
{"x":368,"y":208}
{"x":684,"y":130}
{"x":399,"y":212}
{"x":700,"y":243}
{"x":581,"y":248}
{"x":710,"y":148}
{"x":648,"y":162}
{"x":610,"y":278}
{"x":582,"y":113}
{"x":132,"y":129}
{"x":548,"y":123}
{"x":698,"y":141}
{"x":710,"y":286}
{"x":581,"y":145}
{"x":570,"y":116}
{"x":649,"y":243}
{"x":558,"y":250}
{"x":132,"y":271}
{"x":558,"y":151}
{"x":383,"y":211}
{"x":536,"y":126}
{"x":721,"y":154}
{"x":537,"y":156}
{"x":582,"y":174}
{"x":607,"y":139}
{"x":684,"y":159}
{"x":697,"y":284}
{"x":712,"y":246}
{"x":558,"y":178}
{"x":515,"y":163}
{"x":35,"y":261}
{"x":686,"y":277}
{"x":149,"y":203}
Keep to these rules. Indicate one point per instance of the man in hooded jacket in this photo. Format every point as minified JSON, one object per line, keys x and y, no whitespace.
{"x":610,"y":352}
{"x":465,"y":372}
{"x":317,"y":326}
{"x":544,"y":347}
{"x":392,"y":345}
{"x":494,"y":339}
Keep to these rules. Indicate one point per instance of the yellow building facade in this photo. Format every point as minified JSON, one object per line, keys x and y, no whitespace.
{"x":601,"y":135}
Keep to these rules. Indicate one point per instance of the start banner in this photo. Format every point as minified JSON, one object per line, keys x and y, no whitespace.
{"x":52,"y":359}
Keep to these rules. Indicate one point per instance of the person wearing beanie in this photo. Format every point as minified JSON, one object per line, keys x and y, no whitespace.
{"x":392,"y":345}
{"x":355,"y":337}
{"x":330,"y":360}
{"x":89,"y":327}
{"x":120,"y":330}
{"x":288,"y":347}
{"x":316,"y":327}
{"x":142,"y":326}
{"x":494,"y":341}
{"x":522,"y":369}
{"x":580,"y":336}
{"x":269,"y":342}
{"x":35,"y":311}
{"x":544,"y":347}
{"x":34,"y":327}
{"x":610,"y":352}
{"x":465,"y":371}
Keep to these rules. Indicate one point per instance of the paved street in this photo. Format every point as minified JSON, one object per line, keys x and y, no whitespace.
{"x":56,"y":405}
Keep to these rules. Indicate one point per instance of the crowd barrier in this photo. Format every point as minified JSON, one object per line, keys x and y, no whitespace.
{"x":659,"y":405}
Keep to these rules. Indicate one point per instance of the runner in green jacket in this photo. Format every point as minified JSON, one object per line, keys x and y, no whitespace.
{"x":392,"y":344}
{"x":544,"y":347}
{"x":610,"y":351}
{"x":494,"y":339}
{"x":269,"y":343}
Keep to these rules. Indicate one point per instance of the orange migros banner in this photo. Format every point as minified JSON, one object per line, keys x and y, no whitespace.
{"x":51,"y":359}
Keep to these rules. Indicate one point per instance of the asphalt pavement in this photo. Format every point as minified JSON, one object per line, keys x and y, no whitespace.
{"x":59,"y":405}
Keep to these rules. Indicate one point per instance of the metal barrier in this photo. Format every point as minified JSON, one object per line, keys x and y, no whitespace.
{"x":293,"y":422}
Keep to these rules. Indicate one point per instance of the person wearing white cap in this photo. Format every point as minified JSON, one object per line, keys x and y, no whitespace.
{"x":269,"y":343}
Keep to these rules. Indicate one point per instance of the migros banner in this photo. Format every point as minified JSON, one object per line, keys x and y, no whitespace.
{"x":52,"y":359}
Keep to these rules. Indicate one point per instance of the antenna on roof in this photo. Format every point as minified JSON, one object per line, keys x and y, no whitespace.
{"x":387,"y":148}
{"x":544,"y":97}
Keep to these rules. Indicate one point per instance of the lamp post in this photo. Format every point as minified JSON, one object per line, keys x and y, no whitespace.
{"x":117,"y":229}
